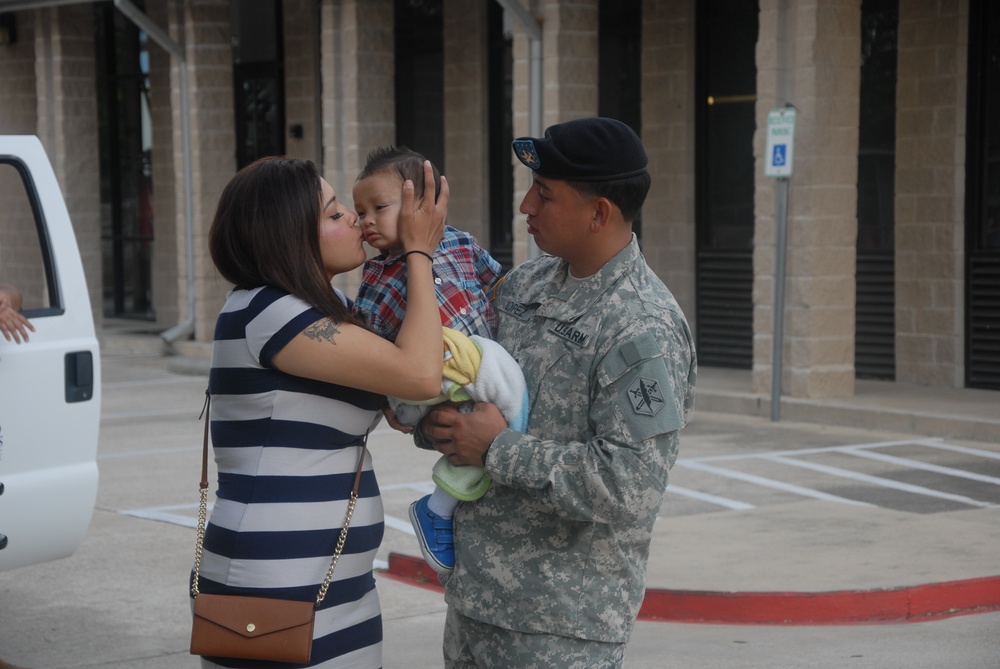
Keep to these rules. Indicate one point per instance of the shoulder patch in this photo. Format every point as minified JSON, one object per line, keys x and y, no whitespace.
{"x":646,"y":396}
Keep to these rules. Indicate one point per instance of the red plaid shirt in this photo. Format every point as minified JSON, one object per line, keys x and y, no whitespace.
{"x":464,"y":272}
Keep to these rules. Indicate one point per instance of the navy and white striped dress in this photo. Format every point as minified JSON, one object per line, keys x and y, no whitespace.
{"x":287,"y":451}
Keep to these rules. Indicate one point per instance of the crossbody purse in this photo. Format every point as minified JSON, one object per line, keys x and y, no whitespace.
{"x":256,"y":628}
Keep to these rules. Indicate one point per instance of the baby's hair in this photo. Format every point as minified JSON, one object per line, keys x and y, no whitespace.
{"x":408,"y":164}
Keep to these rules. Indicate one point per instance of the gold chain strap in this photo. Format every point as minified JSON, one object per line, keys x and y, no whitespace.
{"x":340,"y":545}
{"x":199,"y":543}
{"x":203,"y":514}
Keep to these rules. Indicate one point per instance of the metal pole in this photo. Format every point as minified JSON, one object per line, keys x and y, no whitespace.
{"x":777,"y":340}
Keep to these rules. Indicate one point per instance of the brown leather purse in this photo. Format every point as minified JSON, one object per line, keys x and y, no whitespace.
{"x":255,"y":628}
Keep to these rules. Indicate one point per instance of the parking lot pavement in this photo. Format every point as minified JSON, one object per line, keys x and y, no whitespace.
{"x":737,"y":518}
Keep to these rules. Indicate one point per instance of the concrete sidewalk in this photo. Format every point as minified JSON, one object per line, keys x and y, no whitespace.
{"x":777,"y":529}
{"x":795,"y":560}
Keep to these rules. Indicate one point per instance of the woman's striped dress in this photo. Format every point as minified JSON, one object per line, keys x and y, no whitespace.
{"x":287,"y":450}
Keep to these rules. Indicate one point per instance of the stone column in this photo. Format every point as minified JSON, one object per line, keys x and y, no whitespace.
{"x":930,"y":192}
{"x":204,"y":28}
{"x":808,"y":54}
{"x":466,"y":130}
{"x":18,"y":104}
{"x":359,"y":113}
{"x":19,"y":116}
{"x":569,"y":74}
{"x":66,"y":78}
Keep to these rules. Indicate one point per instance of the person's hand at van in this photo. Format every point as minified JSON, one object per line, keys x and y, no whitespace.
{"x":13,"y":324}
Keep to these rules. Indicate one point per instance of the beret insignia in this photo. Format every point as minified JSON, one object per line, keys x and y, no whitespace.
{"x":526,"y":153}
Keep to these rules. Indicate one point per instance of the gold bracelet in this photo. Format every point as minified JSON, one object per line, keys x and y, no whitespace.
{"x":426,"y":255}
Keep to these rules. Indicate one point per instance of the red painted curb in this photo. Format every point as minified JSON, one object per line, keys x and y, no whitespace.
{"x":931,"y":601}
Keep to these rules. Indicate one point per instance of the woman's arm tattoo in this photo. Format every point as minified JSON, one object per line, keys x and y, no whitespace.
{"x":322,"y":330}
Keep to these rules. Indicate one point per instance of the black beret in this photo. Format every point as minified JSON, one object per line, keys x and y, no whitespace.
{"x":587,"y":149}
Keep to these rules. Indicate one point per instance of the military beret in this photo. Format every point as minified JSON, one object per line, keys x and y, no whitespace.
{"x":587,"y":149}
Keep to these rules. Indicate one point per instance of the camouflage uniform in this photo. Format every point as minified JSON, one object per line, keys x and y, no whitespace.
{"x":559,"y":543}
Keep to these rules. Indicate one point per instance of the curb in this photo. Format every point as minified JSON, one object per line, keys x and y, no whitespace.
{"x":932,"y":601}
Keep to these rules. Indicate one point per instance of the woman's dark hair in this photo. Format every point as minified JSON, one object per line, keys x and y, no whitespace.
{"x":627,"y":194}
{"x":407,"y":163}
{"x":265,"y":233}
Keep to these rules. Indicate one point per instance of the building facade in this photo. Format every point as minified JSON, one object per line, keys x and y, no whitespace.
{"x":886,"y":234}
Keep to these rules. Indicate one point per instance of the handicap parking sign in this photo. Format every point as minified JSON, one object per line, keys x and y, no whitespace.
{"x":780,"y":142}
{"x":778,"y":156}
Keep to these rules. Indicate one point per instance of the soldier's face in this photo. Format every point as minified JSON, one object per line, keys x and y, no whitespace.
{"x":558,"y":217}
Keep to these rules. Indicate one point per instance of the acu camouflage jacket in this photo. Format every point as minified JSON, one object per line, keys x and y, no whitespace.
{"x":560,"y":541}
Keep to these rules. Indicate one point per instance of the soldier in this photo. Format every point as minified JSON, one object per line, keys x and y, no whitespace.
{"x":550,"y":563}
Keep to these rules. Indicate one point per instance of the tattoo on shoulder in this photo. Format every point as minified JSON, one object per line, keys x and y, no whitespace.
{"x":323,"y":330}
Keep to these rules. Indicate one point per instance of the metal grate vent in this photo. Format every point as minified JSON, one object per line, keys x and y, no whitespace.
{"x":725,"y":309}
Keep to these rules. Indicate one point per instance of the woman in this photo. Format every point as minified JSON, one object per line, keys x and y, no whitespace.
{"x":296,"y":383}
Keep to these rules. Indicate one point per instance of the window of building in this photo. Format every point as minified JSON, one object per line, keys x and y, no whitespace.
{"x":125,"y":158}
{"x":420,"y":78}
{"x":875,"y":323}
{"x":619,"y":90}
{"x":258,"y":79}
{"x":501,"y":127}
{"x":725,"y":98}
{"x":982,"y":365}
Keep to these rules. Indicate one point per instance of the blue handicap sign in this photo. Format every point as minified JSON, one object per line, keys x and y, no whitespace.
{"x":778,"y":156}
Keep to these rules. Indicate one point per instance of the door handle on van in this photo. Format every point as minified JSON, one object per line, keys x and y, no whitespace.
{"x":79,"y":376}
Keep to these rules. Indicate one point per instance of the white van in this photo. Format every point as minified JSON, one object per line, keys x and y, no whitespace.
{"x":50,"y":386}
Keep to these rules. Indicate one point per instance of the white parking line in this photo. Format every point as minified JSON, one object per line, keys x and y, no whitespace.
{"x":878,"y":481}
{"x":769,"y":483}
{"x":869,"y":451}
{"x":910,"y":463}
{"x":725,"y":502}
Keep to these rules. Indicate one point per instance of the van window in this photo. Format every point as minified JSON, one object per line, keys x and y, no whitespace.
{"x":24,"y":248}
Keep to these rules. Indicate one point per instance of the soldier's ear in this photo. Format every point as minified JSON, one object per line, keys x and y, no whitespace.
{"x":601,"y":213}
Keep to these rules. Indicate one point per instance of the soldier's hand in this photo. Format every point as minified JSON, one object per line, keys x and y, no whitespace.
{"x":464,"y":437}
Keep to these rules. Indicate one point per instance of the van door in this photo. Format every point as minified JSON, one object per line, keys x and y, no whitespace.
{"x":50,"y":397}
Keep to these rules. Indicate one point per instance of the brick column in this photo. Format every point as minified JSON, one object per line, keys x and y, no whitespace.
{"x":18,"y":104}
{"x":204,"y":31}
{"x":19,"y":257}
{"x":569,"y":74}
{"x":930,"y":190}
{"x":570,"y":60}
{"x":359,"y":113}
{"x":67,"y":125}
{"x":809,"y":54}
{"x":668,"y":33}
{"x":466,"y":131}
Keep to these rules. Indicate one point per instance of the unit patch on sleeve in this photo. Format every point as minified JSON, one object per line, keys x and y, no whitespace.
{"x":645,"y":396}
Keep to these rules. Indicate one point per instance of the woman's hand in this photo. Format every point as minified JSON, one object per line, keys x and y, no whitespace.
{"x":422,"y":226}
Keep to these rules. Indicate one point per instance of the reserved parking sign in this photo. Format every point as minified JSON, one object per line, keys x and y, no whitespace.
{"x":780,"y":142}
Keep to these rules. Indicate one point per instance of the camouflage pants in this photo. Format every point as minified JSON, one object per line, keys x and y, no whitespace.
{"x":471,"y":644}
